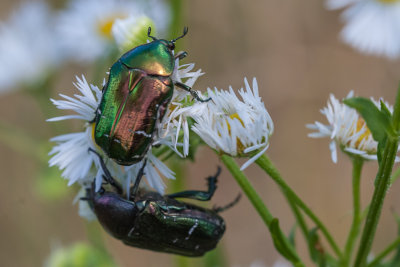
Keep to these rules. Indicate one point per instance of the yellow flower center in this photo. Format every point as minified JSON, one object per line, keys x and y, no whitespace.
{"x":366,"y":134}
{"x":240,"y":146}
{"x":105,"y":25}
{"x":234,"y":116}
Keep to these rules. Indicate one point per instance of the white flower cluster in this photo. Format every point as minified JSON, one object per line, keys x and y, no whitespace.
{"x":27,"y":47}
{"x":36,"y":39}
{"x":347,"y":129}
{"x":237,"y":127}
{"x":372,"y":26}
{"x":87,"y":28}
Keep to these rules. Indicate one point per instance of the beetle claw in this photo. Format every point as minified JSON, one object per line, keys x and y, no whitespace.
{"x":228,"y":206}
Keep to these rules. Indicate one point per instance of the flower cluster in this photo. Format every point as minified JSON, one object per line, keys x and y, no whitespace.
{"x":347,"y":129}
{"x":88,"y":29}
{"x":372,"y":26}
{"x":27,"y":47}
{"x":240,"y":128}
{"x":37,"y":40}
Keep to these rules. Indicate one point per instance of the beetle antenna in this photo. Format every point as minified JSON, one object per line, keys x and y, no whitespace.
{"x":148,"y":34}
{"x":185,"y":31}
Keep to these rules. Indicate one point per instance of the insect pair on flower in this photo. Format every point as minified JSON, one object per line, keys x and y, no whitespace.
{"x":237,"y":127}
{"x":127,"y":123}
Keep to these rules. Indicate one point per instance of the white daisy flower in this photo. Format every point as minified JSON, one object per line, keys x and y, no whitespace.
{"x":71,"y":154}
{"x":180,"y":108}
{"x":233,"y":126}
{"x":372,"y":26}
{"x":85,"y":105}
{"x":131,"y":32}
{"x":28,"y":51}
{"x":347,"y":129}
{"x":86,"y":27}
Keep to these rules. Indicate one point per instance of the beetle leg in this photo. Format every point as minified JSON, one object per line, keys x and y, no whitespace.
{"x":139,"y":176}
{"x":192,"y":92}
{"x":228,"y":206}
{"x":181,"y":55}
{"x":107,"y":175}
{"x":200,"y":195}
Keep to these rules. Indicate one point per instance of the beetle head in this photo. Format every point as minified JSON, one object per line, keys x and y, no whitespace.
{"x":169,"y":44}
{"x":114,"y":213}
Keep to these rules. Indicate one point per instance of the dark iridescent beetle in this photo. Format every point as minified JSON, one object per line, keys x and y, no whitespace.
{"x":161,"y":223}
{"x":135,"y":98}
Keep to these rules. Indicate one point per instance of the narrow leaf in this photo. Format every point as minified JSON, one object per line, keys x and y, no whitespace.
{"x":279,"y":242}
{"x":385,"y":110}
{"x":292,"y":236}
{"x":315,"y":248}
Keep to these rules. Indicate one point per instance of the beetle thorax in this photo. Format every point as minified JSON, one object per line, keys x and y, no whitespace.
{"x":155,"y":58}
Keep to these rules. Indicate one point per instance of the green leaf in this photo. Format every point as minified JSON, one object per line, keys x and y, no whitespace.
{"x":378,"y":122}
{"x":385,"y":110}
{"x":314,"y":246}
{"x":279,"y":241}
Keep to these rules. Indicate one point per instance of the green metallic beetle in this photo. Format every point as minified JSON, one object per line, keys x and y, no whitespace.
{"x":152,"y":221}
{"x":135,"y":99}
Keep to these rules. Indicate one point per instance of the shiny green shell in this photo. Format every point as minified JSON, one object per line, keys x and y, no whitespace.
{"x":154,"y":58}
{"x":135,"y":97}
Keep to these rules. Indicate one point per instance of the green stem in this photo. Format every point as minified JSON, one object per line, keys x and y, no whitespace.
{"x":265,"y":164}
{"x":383,"y":182}
{"x":385,"y":252}
{"x":381,"y":188}
{"x":355,"y":226}
{"x":254,"y":198}
{"x":248,"y":189}
{"x":300,"y":219}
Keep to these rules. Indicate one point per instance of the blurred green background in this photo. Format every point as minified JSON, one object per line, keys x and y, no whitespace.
{"x":292,"y":47}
